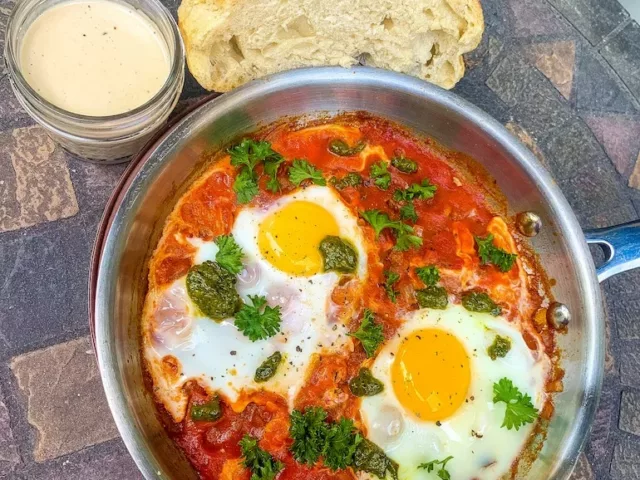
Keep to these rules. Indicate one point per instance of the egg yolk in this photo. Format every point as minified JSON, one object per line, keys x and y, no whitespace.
{"x":290,"y":237}
{"x":430,"y":374}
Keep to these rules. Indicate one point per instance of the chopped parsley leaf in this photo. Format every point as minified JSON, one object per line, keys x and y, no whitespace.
{"x":308,"y":431}
{"x":519,"y":409}
{"x":390,"y":279}
{"x":489,"y":253}
{"x":405,"y":237}
{"x":247,"y":155}
{"x":429,"y":274}
{"x":380,"y":174}
{"x":250,"y":153}
{"x":258,"y":321}
{"x":229,"y":254}
{"x":271,"y":167}
{"x":261,"y":464}
{"x":302,"y":170}
{"x":442,"y":471}
{"x":340,"y":444}
{"x":369,"y":333}
{"x":408,"y":212}
{"x":245,"y":185}
{"x":416,"y":191}
{"x":380,"y":220}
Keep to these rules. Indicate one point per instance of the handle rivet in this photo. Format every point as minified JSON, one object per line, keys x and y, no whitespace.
{"x":558,"y":315}
{"x":528,"y":223}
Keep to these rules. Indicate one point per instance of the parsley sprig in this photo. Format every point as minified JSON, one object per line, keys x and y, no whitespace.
{"x":380,"y":175}
{"x":405,"y":235}
{"x":519,"y":409}
{"x":380,"y":220}
{"x":341,"y":442}
{"x":416,"y":191}
{"x":314,"y":437}
{"x":271,"y":166}
{"x":258,"y":321}
{"x":429,"y":274}
{"x":408,"y":212}
{"x":229,"y":254}
{"x":442,"y":472}
{"x":250,"y":153}
{"x":489,"y":253}
{"x":246,"y":185}
{"x":261,"y":464}
{"x":406,"y":240}
{"x":391,"y":278}
{"x":308,"y":431}
{"x":302,"y":170}
{"x":369,"y":333}
{"x":247,"y":155}
{"x":337,"y":444}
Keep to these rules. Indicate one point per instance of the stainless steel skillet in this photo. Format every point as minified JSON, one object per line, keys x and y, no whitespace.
{"x":152,"y":185}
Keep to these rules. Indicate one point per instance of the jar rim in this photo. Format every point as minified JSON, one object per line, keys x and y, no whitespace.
{"x":177,"y":56}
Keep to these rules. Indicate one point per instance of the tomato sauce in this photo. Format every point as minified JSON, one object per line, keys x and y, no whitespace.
{"x":464,"y":206}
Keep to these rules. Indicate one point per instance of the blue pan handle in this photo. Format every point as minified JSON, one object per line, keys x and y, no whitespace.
{"x":621,"y":245}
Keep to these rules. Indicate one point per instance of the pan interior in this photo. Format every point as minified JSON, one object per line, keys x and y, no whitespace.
{"x":155,"y":186}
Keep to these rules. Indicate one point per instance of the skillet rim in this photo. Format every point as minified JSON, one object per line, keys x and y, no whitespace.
{"x":159,"y":152}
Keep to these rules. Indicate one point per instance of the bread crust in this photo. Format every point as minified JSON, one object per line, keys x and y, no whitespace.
{"x":230,"y":42}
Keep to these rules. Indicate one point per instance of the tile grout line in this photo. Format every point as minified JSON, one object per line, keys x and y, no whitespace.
{"x":612,"y":33}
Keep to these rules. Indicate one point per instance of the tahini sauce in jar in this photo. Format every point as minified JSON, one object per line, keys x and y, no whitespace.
{"x":94,"y":57}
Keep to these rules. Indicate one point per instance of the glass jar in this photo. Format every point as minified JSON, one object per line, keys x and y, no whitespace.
{"x":103,"y":139}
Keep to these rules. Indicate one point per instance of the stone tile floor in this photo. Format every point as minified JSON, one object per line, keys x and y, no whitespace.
{"x":561,"y":74}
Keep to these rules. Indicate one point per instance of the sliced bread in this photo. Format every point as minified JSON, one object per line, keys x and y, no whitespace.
{"x":230,"y":42}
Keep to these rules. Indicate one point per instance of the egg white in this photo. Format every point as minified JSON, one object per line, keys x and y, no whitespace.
{"x":219,"y":356}
{"x":473,"y":435}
